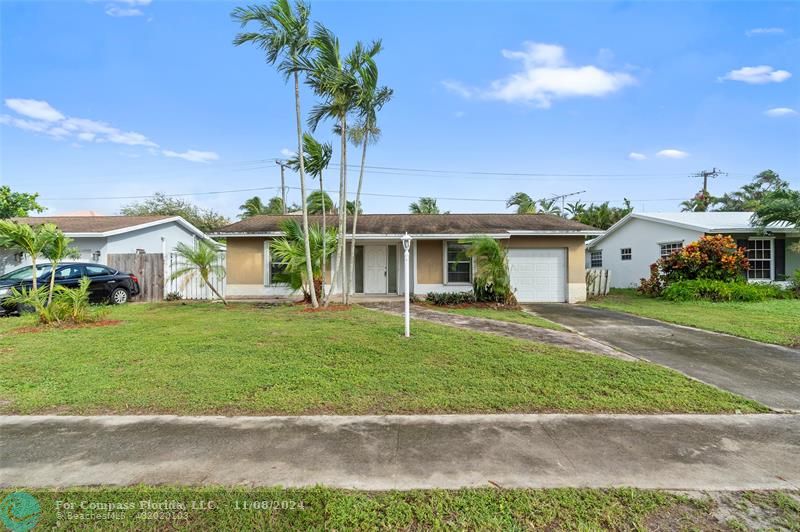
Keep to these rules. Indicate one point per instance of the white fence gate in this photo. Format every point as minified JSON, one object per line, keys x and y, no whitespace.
{"x":597,"y":282}
{"x":191,"y":286}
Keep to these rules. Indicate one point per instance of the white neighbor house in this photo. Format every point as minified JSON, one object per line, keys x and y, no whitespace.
{"x":98,"y":236}
{"x":630,"y":246}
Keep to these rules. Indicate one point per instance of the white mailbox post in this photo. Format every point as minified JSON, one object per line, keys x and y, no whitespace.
{"x":406,"y":247}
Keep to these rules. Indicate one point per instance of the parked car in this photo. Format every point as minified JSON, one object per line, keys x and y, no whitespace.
{"x":107,"y":284}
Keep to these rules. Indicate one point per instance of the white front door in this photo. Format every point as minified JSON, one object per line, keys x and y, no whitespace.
{"x":538,"y":275}
{"x":375,"y":269}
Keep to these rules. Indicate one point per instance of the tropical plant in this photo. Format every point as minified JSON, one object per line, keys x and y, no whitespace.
{"x":603,"y":215}
{"x":320,"y":202}
{"x":780,"y":206}
{"x":207,"y":220}
{"x":203,"y":260}
{"x":492,"y":281}
{"x":574,"y":210}
{"x":17,"y":203}
{"x":700,"y":202}
{"x":57,"y":249}
{"x":750,"y":196}
{"x":27,"y":239}
{"x":67,"y":305}
{"x":549,"y":206}
{"x":424,"y":205}
{"x":288,"y":250}
{"x":255,"y":207}
{"x":448,"y":299}
{"x":284,"y":35}
{"x":523,"y":202}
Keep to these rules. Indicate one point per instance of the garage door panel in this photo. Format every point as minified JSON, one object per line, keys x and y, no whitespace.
{"x":538,"y":275}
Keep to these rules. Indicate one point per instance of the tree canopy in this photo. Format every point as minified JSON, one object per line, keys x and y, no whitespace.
{"x":14,"y":204}
{"x":160,"y":204}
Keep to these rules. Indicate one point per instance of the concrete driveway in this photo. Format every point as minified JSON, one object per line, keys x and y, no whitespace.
{"x":767,"y":373}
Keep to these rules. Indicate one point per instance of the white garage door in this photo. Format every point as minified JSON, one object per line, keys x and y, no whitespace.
{"x":538,"y":275}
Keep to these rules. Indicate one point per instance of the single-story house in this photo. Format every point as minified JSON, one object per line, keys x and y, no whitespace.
{"x":545,"y":254}
{"x":629,"y":247}
{"x":98,"y":236}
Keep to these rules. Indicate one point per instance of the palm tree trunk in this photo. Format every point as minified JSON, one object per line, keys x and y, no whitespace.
{"x":324,"y":239}
{"x":33,"y":268}
{"x":52,"y":283}
{"x":358,"y":204}
{"x":306,"y":240}
{"x":211,"y":286}
{"x":343,"y":212}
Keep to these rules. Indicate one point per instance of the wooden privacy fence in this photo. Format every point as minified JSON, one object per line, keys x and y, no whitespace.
{"x":191,"y":286}
{"x":597,"y":282}
{"x":147,"y":267}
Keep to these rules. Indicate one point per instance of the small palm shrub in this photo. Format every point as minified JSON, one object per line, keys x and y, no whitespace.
{"x":714,"y":290}
{"x":68,"y":305}
{"x":492,"y":282}
{"x":444,"y":299}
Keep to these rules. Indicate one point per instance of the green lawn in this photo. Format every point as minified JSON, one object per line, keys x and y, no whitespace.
{"x":776,"y":321}
{"x":514,"y":316}
{"x":206,"y":359}
{"x":319,"y":508}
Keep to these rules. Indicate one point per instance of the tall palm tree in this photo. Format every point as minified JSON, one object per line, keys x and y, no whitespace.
{"x":575,"y":209}
{"x":424,"y":205}
{"x":30,"y":240}
{"x":284,"y":34}
{"x":317,"y":157}
{"x":57,"y":249}
{"x":523,"y":202}
{"x":370,"y":99}
{"x":204,"y":259}
{"x":548,"y":206}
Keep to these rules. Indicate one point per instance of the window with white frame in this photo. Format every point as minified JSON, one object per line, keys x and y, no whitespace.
{"x":459,"y":266}
{"x":759,"y":253}
{"x":668,"y":248}
{"x":625,"y":254}
{"x":596,"y":259}
{"x":274,"y":268}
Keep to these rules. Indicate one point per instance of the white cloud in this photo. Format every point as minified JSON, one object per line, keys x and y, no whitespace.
{"x":38,"y":109}
{"x":671,"y":153}
{"x":636,"y":156}
{"x":286,"y":152}
{"x":763,"y":31}
{"x":116,"y":11}
{"x":49,"y":121}
{"x":193,"y":155}
{"x":758,"y":75}
{"x":780,"y":111}
{"x":546,"y":76}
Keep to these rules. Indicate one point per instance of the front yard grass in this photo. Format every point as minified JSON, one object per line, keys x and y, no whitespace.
{"x":217,"y":508}
{"x":775,"y":321}
{"x":202,"y":358}
{"x":513,"y":316}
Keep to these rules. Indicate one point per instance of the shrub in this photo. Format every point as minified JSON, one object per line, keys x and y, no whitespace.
{"x":492,"y":282}
{"x":794,"y":282}
{"x":173,"y":296}
{"x":450,"y":298}
{"x":714,"y":290}
{"x":69,"y":305}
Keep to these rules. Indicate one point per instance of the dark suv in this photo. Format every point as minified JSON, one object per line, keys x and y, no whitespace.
{"x":107,"y":284}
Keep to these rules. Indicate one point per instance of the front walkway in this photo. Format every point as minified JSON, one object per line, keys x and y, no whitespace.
{"x":567,"y":340}
{"x":767,"y":373}
{"x":683,"y":452}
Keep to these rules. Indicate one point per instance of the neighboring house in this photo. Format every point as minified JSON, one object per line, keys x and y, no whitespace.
{"x":546,"y":254}
{"x":630,"y":246}
{"x":98,"y":236}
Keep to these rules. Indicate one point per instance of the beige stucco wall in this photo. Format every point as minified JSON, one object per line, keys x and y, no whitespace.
{"x":245,"y":261}
{"x":430,"y":269}
{"x":576,"y":251}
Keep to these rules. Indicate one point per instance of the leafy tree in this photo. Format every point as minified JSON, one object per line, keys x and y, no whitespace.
{"x":750,"y":196}
{"x":202,"y":260}
{"x":288,"y":250}
{"x":492,"y":280}
{"x":255,"y":207}
{"x":284,"y":35}
{"x":779,"y":206}
{"x":57,"y":249}
{"x":14,"y":204}
{"x":424,"y":205}
{"x":603,"y":215}
{"x":700,"y":202}
{"x":28,"y":239}
{"x":160,"y":204}
{"x":523,"y":202}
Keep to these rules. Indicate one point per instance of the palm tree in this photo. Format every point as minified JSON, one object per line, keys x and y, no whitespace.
{"x":28,"y":239}
{"x":255,"y":207}
{"x":524,"y":203}
{"x":371,"y":99}
{"x":779,"y":206}
{"x":284,"y":34}
{"x":204,"y":260}
{"x":424,"y":205}
{"x":58,"y":248}
{"x":288,"y":250}
{"x":548,"y":206}
{"x":492,"y":281}
{"x":317,"y":157}
{"x":698,"y":203}
{"x":573,"y":210}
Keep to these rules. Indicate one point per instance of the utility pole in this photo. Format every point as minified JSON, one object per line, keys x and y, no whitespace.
{"x":705,"y":174}
{"x":282,"y":164}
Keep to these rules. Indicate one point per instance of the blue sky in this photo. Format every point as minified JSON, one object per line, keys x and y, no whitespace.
{"x":624,"y":99}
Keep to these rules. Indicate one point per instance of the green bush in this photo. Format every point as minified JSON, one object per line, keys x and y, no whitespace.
{"x":713,"y":290}
{"x":794,"y":282}
{"x":70,"y":305}
{"x":450,"y":298}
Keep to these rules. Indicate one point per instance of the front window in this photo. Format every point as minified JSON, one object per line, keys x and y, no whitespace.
{"x":669,"y":248}
{"x":625,"y":254}
{"x":276,"y":270}
{"x":459,"y":266}
{"x":26,"y":273}
{"x":759,"y":253}
{"x":596,"y":259}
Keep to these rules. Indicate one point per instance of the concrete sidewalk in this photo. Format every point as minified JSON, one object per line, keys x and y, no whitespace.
{"x":687,"y":452}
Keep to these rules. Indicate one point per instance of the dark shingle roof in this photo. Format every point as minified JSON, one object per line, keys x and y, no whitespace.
{"x":463,"y":224}
{"x":91,"y":224}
